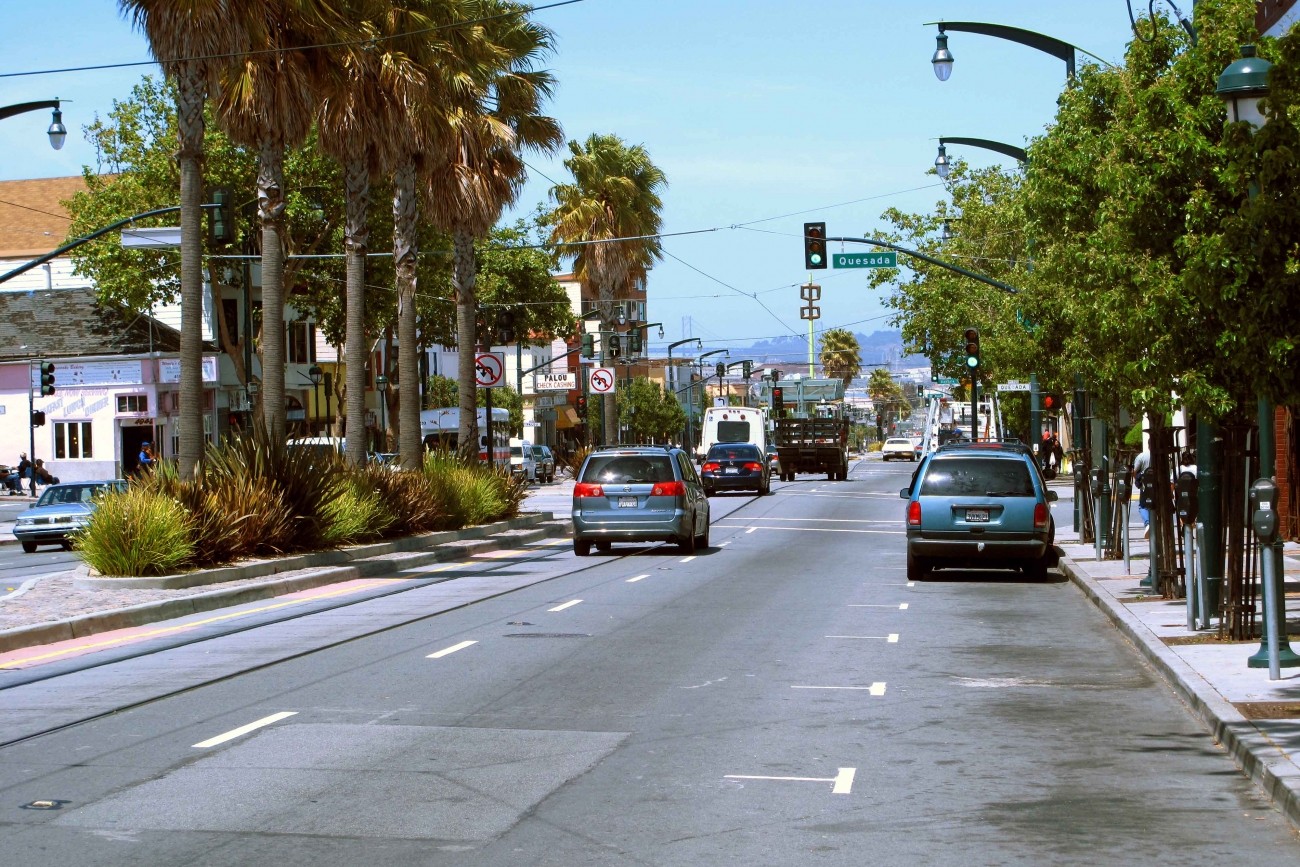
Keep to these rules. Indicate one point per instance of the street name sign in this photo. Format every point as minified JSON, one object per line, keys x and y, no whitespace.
{"x":555,"y":381}
{"x":1013,"y":386}
{"x":865,"y":260}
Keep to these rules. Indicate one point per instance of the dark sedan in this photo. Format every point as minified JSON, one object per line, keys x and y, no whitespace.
{"x":736,"y":467}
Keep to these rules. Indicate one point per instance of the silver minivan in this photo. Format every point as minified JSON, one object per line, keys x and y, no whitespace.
{"x":639,"y":494}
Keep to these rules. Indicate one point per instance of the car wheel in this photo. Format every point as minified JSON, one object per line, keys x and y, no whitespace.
{"x":687,"y":543}
{"x":29,"y":547}
{"x":582,"y":547}
{"x":67,"y":546}
{"x":709,"y":492}
{"x":703,"y":541}
{"x":603,"y":547}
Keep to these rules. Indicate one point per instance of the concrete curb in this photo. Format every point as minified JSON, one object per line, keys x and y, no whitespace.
{"x":389,"y":559}
{"x":310,"y":560}
{"x":1259,"y":759}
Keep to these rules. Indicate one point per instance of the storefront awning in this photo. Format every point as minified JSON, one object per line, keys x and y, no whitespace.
{"x":565,"y":417}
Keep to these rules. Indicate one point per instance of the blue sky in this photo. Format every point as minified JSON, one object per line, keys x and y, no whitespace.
{"x":767,"y":113}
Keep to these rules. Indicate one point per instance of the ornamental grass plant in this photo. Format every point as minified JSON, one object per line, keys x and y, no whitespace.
{"x":138,"y":532}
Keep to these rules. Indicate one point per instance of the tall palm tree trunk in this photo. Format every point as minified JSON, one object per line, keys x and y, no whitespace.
{"x":271,"y":205}
{"x":356,"y":180}
{"x":466,"y":341}
{"x":405,"y":249}
{"x":189,"y":110}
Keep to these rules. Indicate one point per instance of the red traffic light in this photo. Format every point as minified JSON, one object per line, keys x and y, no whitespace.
{"x":1052,"y":401}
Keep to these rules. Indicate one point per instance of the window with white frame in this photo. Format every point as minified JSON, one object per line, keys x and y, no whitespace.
{"x":132,"y":403}
{"x":302,"y":342}
{"x":72,"y":440}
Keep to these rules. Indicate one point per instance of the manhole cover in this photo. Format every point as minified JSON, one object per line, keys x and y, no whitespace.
{"x":518,"y":623}
{"x":547,"y":635}
{"x":1268,"y":709}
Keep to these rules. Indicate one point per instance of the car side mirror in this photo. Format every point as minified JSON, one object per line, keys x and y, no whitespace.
{"x":905,"y":493}
{"x":1052,"y":497}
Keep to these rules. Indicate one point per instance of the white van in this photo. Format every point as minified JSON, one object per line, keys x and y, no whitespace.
{"x":522,"y":462}
{"x":733,"y":424}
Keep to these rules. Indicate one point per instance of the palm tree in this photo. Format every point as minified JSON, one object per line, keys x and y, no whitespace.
{"x":485,"y":171}
{"x":361,"y":115}
{"x":188,"y":40}
{"x":840,"y":355}
{"x":265,"y":102}
{"x":451,"y":64}
{"x":614,"y":201}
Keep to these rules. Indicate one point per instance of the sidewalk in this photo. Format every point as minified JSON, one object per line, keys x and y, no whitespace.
{"x":1255,"y":720}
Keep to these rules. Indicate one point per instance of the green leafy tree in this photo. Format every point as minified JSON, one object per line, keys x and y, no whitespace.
{"x":647,"y":413}
{"x":505,"y":397}
{"x":888,"y":398}
{"x":442,"y":392}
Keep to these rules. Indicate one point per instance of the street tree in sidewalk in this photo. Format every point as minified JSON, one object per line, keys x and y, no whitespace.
{"x":647,"y":413}
{"x":888,"y":399}
{"x":614,"y":201}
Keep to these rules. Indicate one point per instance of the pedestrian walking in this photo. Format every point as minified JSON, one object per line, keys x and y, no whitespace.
{"x":1058,"y":454}
{"x":1140,"y":465}
{"x":145,"y":460}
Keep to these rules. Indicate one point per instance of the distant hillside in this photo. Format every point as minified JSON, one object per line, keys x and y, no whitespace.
{"x":878,"y":348}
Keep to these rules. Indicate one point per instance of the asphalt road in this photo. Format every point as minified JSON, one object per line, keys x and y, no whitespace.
{"x":785,"y":697}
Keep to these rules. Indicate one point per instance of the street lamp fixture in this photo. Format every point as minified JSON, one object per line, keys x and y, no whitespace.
{"x":57,"y":132}
{"x":942,"y":58}
{"x":946,"y":234}
{"x":941,"y":163}
{"x":315,"y":374}
{"x":1243,"y":85}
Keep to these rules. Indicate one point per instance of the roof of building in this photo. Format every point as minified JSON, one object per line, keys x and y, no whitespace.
{"x":72,"y":323}
{"x":32,"y":220}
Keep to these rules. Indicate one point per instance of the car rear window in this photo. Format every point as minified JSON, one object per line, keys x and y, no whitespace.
{"x":628,"y":469}
{"x":734,"y":432}
{"x":732,"y":453}
{"x":898,"y":442}
{"x":980,"y":477}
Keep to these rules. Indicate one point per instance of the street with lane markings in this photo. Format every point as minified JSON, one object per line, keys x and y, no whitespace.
{"x":785,"y":696}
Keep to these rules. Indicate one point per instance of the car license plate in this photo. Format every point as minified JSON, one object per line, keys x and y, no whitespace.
{"x":731,"y":470}
{"x":977,"y":516}
{"x":627,"y":502}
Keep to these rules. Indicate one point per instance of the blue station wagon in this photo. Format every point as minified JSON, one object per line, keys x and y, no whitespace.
{"x":979,"y":505}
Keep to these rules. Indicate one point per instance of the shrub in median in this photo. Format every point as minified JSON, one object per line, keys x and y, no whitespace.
{"x":138,"y":532}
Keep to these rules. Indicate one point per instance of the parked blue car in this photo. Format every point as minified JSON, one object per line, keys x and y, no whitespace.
{"x":981,"y":506}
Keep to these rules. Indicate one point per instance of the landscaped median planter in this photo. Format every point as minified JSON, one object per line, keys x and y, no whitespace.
{"x":347,"y":556}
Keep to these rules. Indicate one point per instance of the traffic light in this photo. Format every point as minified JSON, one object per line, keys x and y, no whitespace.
{"x":38,"y":418}
{"x":588,"y":346}
{"x":720,"y":368}
{"x":582,"y":406}
{"x":1052,"y":402}
{"x":814,"y":245}
{"x":972,"y":348}
{"x":634,"y":341}
{"x":506,"y":326}
{"x":747,"y":369}
{"x":615,"y":346}
{"x":221,"y":225}
{"x":47,"y":378}
{"x":778,"y":401}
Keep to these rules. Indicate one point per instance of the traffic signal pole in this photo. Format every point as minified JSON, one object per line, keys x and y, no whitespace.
{"x":31,"y":448}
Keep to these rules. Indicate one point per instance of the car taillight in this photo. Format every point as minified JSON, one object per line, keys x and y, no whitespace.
{"x":668,"y":489}
{"x":584,"y":489}
{"x":1040,"y":515}
{"x":711,"y":467}
{"x":914,"y":514}
{"x":753,"y":467}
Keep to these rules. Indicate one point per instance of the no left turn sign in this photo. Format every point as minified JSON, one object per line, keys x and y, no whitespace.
{"x":488,"y":369}
{"x":602,"y":380}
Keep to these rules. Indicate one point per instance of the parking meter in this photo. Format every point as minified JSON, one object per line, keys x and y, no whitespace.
{"x":1077,"y":470}
{"x":1122,"y":490}
{"x":1263,"y":519}
{"x":1095,"y":481}
{"x":1186,"y":489}
{"x":1147,"y":493}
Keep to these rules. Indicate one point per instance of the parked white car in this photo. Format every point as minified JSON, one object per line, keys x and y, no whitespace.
{"x":898,"y":447}
{"x":522,"y":462}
